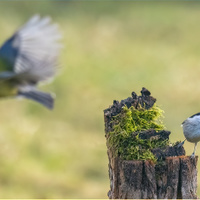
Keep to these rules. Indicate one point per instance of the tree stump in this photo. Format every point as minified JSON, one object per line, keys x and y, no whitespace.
{"x":174,"y":176}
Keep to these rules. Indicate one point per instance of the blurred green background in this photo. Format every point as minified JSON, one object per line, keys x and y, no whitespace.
{"x":110,"y":49}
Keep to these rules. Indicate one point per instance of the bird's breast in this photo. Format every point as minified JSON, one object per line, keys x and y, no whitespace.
{"x":191,"y":129}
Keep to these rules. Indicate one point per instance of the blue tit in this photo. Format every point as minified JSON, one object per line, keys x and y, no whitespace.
{"x":29,"y":57}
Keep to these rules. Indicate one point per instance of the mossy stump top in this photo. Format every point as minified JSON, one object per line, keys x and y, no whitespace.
{"x":142,"y":162}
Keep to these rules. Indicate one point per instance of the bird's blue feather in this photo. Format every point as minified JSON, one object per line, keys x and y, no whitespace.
{"x":8,"y":55}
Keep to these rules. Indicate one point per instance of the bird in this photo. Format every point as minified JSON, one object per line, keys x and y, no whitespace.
{"x":191,"y":130}
{"x":30,"y":57}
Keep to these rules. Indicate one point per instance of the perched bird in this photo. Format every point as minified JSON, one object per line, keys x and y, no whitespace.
{"x":191,"y":130}
{"x":29,"y":57}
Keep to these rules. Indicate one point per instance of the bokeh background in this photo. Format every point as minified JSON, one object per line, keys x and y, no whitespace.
{"x":110,"y":49}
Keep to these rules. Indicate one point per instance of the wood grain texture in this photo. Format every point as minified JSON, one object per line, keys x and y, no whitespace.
{"x":176,"y":178}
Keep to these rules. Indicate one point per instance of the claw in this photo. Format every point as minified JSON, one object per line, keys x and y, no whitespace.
{"x":193,"y":155}
{"x":181,"y":144}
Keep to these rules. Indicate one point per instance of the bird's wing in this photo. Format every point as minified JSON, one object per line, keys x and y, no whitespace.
{"x":33,"y":50}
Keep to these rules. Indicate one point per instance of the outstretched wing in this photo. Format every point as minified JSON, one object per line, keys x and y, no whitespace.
{"x":32,"y":51}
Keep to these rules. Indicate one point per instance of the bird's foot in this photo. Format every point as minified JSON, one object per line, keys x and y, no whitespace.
{"x":192,"y":156}
{"x":181,"y":144}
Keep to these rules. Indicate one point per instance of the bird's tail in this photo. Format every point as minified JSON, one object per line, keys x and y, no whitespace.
{"x":43,"y":98}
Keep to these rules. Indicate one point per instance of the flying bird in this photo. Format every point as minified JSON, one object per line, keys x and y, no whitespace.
{"x":29,"y":57}
{"x":191,"y":130}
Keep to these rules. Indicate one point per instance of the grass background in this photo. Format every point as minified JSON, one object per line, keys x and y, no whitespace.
{"x":111,"y":49}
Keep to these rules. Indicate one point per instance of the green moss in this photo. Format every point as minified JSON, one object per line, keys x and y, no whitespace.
{"x":124,"y":139}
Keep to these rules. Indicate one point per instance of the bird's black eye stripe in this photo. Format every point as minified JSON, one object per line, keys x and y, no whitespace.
{"x":183,"y":122}
{"x":195,"y":115}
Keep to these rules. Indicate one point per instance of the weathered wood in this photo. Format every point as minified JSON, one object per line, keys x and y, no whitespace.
{"x":148,"y":187}
{"x":176,"y":178}
{"x":113,"y":175}
{"x":173,"y":167}
{"x":167,"y":178}
{"x":130,"y":179}
{"x":188,"y":178}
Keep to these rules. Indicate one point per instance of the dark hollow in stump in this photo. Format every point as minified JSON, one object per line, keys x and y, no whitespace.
{"x":174,"y":178}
